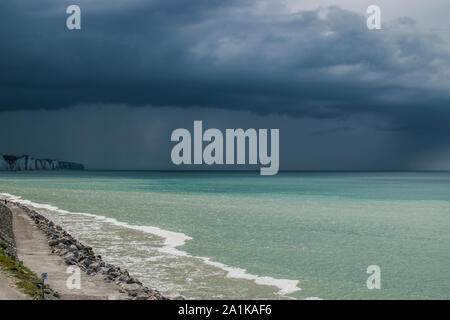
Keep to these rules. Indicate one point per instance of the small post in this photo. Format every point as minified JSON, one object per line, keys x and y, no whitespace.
{"x":43,"y":277}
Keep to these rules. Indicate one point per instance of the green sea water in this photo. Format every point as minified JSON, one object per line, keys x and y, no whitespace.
{"x":244,"y":236}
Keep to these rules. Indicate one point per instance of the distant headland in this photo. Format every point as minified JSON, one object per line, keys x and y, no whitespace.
{"x":28,"y":163}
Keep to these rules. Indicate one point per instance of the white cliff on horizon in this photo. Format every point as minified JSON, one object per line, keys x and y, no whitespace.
{"x":27,"y":163}
{"x":4,"y":165}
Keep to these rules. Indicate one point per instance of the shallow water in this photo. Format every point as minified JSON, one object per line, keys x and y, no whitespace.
{"x":240,"y":235}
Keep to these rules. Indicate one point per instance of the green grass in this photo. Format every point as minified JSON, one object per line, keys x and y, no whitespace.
{"x":26,"y":280}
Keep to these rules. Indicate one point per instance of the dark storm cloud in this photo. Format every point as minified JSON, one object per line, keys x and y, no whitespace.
{"x":222,"y":54}
{"x":120,"y":137}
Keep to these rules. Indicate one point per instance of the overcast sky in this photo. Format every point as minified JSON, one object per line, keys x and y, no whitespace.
{"x":344,"y":97}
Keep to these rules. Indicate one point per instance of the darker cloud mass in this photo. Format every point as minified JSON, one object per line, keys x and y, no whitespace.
{"x":223,"y":54}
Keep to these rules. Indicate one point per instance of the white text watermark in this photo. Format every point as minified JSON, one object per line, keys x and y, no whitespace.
{"x":235,"y":140}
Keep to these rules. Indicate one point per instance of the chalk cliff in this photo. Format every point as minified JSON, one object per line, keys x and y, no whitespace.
{"x":4,"y":165}
{"x":27,"y":163}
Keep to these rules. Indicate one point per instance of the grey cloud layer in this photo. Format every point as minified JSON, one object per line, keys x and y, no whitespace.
{"x":318,"y":71}
{"x":119,"y":137}
{"x":209,"y":53}
{"x":225,"y":54}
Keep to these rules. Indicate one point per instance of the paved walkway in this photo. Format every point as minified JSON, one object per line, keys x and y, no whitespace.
{"x":35,"y":253}
{"x":8,"y":290}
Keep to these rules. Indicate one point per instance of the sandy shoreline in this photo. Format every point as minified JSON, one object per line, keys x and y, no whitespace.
{"x":45,"y":247}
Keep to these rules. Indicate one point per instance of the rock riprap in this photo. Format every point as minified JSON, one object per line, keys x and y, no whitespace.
{"x":76,"y":253}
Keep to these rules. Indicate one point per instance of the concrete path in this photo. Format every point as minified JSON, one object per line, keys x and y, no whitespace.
{"x":8,"y":290}
{"x":35,"y":253}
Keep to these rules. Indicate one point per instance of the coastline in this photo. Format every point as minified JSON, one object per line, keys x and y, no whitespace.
{"x":76,"y":254}
{"x":171,"y":242}
{"x":115,"y":222}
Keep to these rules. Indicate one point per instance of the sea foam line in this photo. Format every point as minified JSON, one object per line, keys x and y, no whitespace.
{"x":172,"y":240}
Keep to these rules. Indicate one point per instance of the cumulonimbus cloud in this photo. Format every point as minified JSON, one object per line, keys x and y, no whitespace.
{"x":221,"y":54}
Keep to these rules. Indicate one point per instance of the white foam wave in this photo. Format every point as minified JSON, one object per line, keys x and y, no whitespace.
{"x":172,"y":240}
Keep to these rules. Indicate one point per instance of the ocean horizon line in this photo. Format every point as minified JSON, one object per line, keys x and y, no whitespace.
{"x":255,"y":170}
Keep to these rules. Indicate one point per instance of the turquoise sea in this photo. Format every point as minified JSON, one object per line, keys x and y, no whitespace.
{"x":239,"y":235}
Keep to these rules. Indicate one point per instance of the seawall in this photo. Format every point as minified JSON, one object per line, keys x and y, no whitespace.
{"x":6,"y":230}
{"x":75,"y":253}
